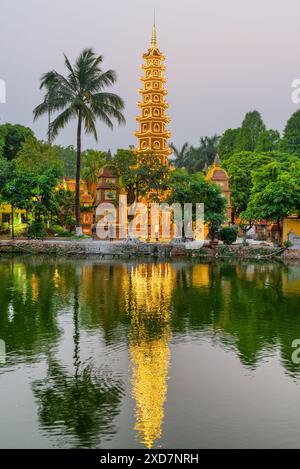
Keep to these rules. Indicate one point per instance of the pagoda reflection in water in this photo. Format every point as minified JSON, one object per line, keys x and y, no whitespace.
{"x":149,"y":290}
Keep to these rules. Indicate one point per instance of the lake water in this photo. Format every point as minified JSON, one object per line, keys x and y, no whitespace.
{"x":144,"y":354}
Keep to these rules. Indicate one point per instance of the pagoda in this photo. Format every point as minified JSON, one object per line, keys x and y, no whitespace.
{"x":153,"y":135}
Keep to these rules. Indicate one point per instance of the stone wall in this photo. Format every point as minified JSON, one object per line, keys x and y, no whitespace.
{"x":129,"y":249}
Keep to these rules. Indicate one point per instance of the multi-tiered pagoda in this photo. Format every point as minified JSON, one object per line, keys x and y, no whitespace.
{"x":153,"y":135}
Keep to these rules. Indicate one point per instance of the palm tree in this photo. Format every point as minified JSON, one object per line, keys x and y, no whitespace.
{"x":92,"y":162}
{"x":180,"y":154}
{"x":209,"y":148}
{"x":203,"y":156}
{"x":80,"y":95}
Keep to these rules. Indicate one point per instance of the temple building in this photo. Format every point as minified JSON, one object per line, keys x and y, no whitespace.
{"x":218,"y":175}
{"x":153,"y":135}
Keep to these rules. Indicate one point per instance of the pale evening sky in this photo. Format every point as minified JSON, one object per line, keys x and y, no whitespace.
{"x":224,"y":58}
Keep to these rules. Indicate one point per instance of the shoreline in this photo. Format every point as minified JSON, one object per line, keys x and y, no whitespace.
{"x":128,"y":250}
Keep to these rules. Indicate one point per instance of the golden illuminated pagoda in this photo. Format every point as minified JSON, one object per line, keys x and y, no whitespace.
{"x":153,"y":135}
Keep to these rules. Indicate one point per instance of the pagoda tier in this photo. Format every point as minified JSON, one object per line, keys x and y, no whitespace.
{"x":152,"y":134}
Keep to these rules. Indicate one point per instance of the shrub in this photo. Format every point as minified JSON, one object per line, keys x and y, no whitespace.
{"x":20,"y":229}
{"x":36,"y":231}
{"x":57,"y":230}
{"x":65,"y":234}
{"x":4,"y":229}
{"x":224,"y":250}
{"x":228,"y":234}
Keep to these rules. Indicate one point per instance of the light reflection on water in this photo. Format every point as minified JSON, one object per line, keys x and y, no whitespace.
{"x":148,"y":354}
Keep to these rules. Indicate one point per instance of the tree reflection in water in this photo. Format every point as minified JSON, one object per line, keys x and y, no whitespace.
{"x":136,"y":309}
{"x":81,"y":406}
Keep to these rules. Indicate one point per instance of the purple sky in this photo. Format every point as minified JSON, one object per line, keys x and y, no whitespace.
{"x":224,"y":58}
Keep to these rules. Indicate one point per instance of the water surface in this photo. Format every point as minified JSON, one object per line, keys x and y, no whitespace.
{"x":143,"y":354}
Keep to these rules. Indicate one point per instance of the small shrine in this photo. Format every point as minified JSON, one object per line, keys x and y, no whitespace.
{"x":218,"y":175}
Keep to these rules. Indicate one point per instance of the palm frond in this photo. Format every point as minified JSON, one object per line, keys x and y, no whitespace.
{"x":62,"y":120}
{"x":111,"y":104}
{"x":72,"y":75}
{"x":89,"y":122}
{"x":80,"y":91}
{"x":41,"y":110}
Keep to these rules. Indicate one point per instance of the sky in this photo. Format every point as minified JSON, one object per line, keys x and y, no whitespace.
{"x":224,"y":58}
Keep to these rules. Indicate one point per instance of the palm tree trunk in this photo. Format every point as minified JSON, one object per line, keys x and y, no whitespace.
{"x":78,"y":168}
{"x":49,"y":126}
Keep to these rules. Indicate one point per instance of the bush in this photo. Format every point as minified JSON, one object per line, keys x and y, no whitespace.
{"x":57,"y":230}
{"x":36,"y":231}
{"x":20,"y":229}
{"x":228,"y":234}
{"x":65,"y":234}
{"x":224,"y":250}
{"x":4,"y":229}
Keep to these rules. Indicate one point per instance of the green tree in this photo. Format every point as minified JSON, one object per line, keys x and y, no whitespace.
{"x":36,"y":157}
{"x":248,"y":135}
{"x":151,"y":177}
{"x":15,"y":189}
{"x":268,"y":140}
{"x":63,"y":209}
{"x":44,"y":202}
{"x":29,"y":181}
{"x":239,"y":167}
{"x":290,"y":142}
{"x":275,"y":193}
{"x":2,"y":141}
{"x":67,"y":155}
{"x":199,"y":158}
{"x":181,"y":154}
{"x":205,"y":154}
{"x":185,"y":188}
{"x":227,"y":143}
{"x":141,"y":175}
{"x":5,"y":173}
{"x":80,"y":95}
{"x":125,"y":162}
{"x":92,"y":162}
{"x":12,"y":137}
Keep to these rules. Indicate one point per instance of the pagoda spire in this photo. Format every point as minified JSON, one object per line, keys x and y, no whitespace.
{"x":153,"y":134}
{"x":154,"y":38}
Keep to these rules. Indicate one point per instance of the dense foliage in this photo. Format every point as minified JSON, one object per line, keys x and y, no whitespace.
{"x":185,"y":188}
{"x":228,"y":234}
{"x":275,"y":193}
{"x":263,"y":169}
{"x":11,"y":139}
